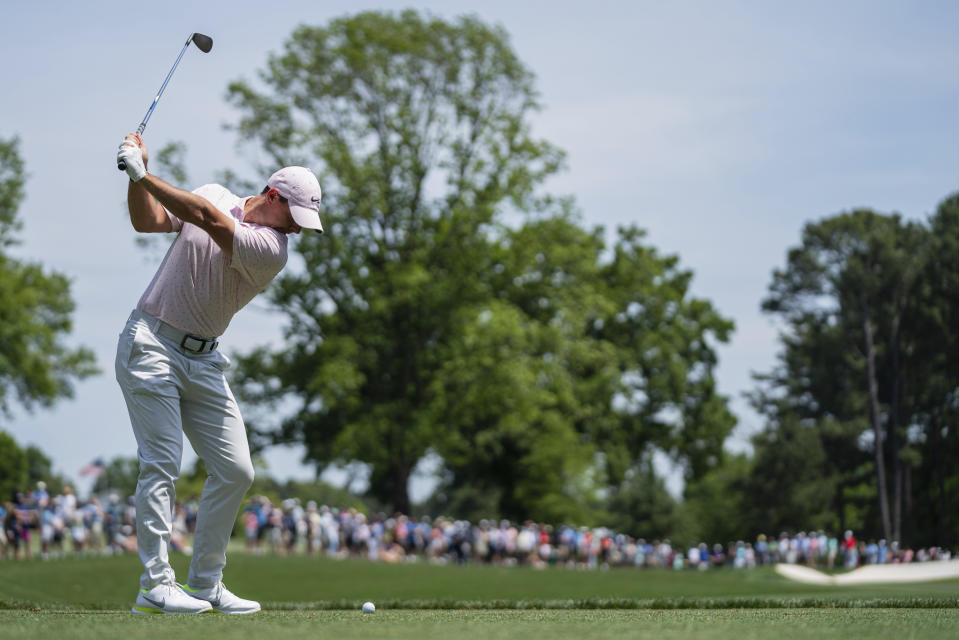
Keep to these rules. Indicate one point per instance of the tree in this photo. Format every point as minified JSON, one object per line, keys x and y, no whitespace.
{"x":716,"y":507}
{"x":788,"y":488}
{"x":509,"y":447}
{"x":14,"y":467}
{"x":22,"y":468}
{"x":40,"y":468}
{"x":119,"y":474}
{"x":641,"y":506}
{"x":934,"y":391}
{"x":589,"y":360}
{"x":421,"y":129}
{"x":847,"y":295}
{"x":540,"y":364}
{"x":665,"y":395}
{"x":813,"y":403}
{"x":36,"y":367}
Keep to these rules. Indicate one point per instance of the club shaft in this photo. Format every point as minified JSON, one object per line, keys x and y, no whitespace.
{"x":143,"y":125}
{"x":146,"y":118}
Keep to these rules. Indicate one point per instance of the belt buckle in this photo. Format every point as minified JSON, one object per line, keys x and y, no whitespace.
{"x":203,"y":344}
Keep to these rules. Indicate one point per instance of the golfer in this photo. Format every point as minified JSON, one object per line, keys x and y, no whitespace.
{"x":171,"y":369}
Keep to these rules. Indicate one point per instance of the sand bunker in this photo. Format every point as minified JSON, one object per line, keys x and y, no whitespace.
{"x":874,"y":573}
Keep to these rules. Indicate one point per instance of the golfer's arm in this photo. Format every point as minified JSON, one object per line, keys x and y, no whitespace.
{"x":191,"y":208}
{"x":146,"y":214}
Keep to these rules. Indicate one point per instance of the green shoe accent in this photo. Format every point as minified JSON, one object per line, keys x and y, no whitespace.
{"x":146,"y":610}
{"x":186,"y":588}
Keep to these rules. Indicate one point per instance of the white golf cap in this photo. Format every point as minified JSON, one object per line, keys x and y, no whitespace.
{"x":302,"y":189}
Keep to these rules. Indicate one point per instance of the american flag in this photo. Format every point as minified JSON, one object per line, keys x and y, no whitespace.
{"x":95,"y":468}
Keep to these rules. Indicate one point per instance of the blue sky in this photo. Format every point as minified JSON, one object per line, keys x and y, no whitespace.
{"x":720,"y":127}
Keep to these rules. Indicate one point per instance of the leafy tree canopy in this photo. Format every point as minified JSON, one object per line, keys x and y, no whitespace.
{"x":452,"y":307}
{"x":36,"y":366}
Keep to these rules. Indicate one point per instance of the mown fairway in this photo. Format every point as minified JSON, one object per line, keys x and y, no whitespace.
{"x":737,"y":624}
{"x":110,"y":583}
{"x":312,"y":597}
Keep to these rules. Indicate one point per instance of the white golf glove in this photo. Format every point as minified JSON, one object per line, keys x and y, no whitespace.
{"x":132,"y":157}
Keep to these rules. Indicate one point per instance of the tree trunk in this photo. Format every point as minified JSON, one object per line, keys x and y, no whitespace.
{"x":400,"y":489}
{"x":941,"y":522}
{"x":883,"y":493}
{"x":911,"y":529}
{"x":893,"y":434}
{"x":841,"y":507}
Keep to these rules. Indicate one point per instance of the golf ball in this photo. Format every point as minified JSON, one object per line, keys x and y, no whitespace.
{"x":368,"y":607}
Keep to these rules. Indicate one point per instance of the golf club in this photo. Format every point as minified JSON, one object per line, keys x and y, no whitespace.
{"x":203,"y":43}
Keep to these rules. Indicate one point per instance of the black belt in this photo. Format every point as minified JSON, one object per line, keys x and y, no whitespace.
{"x":189,"y":342}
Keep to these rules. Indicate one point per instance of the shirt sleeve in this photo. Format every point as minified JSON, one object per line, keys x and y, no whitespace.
{"x":259,"y":253}
{"x":176,"y":222}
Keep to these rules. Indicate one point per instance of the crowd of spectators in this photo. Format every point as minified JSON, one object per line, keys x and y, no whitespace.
{"x":65,"y":525}
{"x":61,"y":524}
{"x":291,"y":527}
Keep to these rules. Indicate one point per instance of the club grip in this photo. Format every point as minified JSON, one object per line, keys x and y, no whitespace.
{"x":121,"y":165}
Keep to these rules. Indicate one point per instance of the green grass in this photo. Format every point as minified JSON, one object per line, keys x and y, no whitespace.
{"x":723,"y":624}
{"x":311,"y":597}
{"x":110,"y":583}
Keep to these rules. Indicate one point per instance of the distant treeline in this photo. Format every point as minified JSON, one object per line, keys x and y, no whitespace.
{"x":862,"y":406}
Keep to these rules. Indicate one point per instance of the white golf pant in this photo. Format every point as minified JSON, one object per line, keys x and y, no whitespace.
{"x":170,"y":391}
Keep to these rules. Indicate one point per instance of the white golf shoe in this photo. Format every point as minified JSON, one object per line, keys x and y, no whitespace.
{"x":222,"y":599}
{"x":168,"y":598}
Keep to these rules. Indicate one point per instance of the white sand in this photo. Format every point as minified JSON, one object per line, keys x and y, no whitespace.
{"x":874,"y":573}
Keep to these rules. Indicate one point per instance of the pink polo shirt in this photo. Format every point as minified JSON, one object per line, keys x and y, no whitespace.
{"x":198,"y":289}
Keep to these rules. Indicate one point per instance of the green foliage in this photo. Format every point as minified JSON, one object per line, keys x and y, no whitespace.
{"x":585,"y":362}
{"x":843,"y":295}
{"x":787,"y":489}
{"x":36,"y":367}
{"x":171,"y":162}
{"x":40,"y":468}
{"x":119,"y":475}
{"x":537,"y":367}
{"x":503,"y":397}
{"x":12,"y":177}
{"x":420,"y":127}
{"x":21,"y":469}
{"x":320,"y":492}
{"x":862,"y":403}
{"x":14,"y":467}
{"x":933,"y":384}
{"x":716,"y":507}
{"x":641,"y":506}
{"x":665,"y":341}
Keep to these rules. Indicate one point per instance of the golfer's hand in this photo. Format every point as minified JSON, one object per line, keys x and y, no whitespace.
{"x":138,"y":139}
{"x":133,"y":153}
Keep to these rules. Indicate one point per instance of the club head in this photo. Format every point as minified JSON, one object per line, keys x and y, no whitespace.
{"x":202,"y":42}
